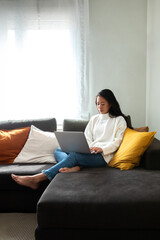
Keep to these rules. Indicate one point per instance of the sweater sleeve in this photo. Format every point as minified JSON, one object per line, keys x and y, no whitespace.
{"x":88,"y":132}
{"x":111,"y":147}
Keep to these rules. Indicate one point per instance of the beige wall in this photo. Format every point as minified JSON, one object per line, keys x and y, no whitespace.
{"x":153,"y":67}
{"x":118,"y":54}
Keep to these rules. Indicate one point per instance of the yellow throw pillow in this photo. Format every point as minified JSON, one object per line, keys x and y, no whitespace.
{"x":133,"y":146}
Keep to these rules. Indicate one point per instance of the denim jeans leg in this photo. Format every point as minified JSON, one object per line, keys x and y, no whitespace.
{"x":76,"y":159}
{"x":60,"y":155}
{"x":69,"y":161}
{"x":90,"y":160}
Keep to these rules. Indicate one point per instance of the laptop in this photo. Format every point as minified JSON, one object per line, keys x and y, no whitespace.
{"x":72,"y":141}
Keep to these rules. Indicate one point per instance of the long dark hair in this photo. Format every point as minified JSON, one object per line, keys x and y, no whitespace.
{"x":115,"y":109}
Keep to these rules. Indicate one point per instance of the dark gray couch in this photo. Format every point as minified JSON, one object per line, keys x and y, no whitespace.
{"x":103,"y":203}
{"x":94,"y":203}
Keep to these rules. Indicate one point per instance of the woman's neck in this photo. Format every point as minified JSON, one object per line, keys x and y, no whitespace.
{"x":104,"y":116}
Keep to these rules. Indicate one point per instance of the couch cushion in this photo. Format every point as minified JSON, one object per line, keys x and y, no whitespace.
{"x":102,"y":198}
{"x":133,"y":146}
{"x":7,"y":183}
{"x":11,"y":143}
{"x":39,"y":147}
{"x":142,"y":129}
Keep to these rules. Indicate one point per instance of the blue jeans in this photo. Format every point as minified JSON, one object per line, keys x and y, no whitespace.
{"x":72,"y":159}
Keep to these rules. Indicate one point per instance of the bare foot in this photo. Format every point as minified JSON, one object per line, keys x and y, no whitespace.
{"x":28,"y":181}
{"x":73,"y":169}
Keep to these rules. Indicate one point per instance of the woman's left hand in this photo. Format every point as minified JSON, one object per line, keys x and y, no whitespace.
{"x":96,"y":150}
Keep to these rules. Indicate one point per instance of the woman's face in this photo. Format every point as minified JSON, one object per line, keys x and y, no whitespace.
{"x":103,"y":105}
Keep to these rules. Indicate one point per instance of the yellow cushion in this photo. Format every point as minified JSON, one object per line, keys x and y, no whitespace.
{"x":133,"y":146}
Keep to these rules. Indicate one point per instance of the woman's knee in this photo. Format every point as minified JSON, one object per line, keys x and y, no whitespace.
{"x":57,"y":150}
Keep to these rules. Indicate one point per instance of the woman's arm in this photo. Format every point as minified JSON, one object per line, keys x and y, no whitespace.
{"x":88,"y":132}
{"x":89,"y":137}
{"x":111,"y":147}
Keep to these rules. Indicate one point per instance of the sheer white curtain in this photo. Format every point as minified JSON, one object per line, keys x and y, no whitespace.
{"x":44,"y":59}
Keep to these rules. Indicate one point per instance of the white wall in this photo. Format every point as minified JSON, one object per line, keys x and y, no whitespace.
{"x":118,"y":54}
{"x":153,"y":67}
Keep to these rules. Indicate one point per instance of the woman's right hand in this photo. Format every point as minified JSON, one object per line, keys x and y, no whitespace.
{"x":96,"y":150}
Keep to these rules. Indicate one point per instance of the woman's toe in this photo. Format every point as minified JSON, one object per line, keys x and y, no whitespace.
{"x":61,"y":170}
{"x":65,"y":169}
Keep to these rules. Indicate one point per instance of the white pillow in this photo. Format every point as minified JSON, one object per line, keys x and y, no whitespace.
{"x":39,"y":147}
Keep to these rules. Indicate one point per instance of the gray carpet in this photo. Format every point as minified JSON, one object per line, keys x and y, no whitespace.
{"x":17,"y":226}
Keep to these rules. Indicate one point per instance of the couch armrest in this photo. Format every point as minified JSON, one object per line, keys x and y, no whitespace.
{"x":151,"y":157}
{"x":74,"y":125}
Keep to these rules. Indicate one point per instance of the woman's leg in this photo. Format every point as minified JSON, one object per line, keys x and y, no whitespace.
{"x":60,"y":155}
{"x":34,"y":180}
{"x":72,"y":160}
{"x":85,"y":159}
{"x":68,"y":161}
{"x":89,"y":160}
{"x":29,"y":181}
{"x":75,"y":159}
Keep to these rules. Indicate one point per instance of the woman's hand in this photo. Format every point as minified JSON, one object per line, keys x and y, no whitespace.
{"x":96,"y":150}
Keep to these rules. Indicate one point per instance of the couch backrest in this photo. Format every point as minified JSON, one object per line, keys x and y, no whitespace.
{"x":45,"y":124}
{"x":80,"y":125}
{"x":128,"y":120}
{"x":74,"y":125}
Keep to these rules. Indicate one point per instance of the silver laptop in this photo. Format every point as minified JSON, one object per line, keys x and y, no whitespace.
{"x":72,"y":141}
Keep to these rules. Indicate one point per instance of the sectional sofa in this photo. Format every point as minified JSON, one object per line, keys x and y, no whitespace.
{"x":94,"y":203}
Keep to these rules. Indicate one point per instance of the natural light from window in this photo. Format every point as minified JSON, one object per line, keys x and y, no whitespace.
{"x":38,"y":73}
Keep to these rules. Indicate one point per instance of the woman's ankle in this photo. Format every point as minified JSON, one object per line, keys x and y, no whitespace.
{"x":40,"y":177}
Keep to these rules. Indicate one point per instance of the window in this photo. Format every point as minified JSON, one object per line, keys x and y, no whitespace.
{"x":43,"y":59}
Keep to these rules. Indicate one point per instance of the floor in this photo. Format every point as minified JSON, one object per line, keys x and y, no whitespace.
{"x":17,"y":226}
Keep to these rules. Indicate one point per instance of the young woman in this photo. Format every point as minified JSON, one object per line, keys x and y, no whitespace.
{"x":104,"y":134}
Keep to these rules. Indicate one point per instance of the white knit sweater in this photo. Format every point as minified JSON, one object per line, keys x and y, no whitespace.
{"x":105,"y":132}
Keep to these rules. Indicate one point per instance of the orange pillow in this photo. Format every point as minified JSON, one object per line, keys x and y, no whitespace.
{"x":142,"y":129}
{"x":11,"y":143}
